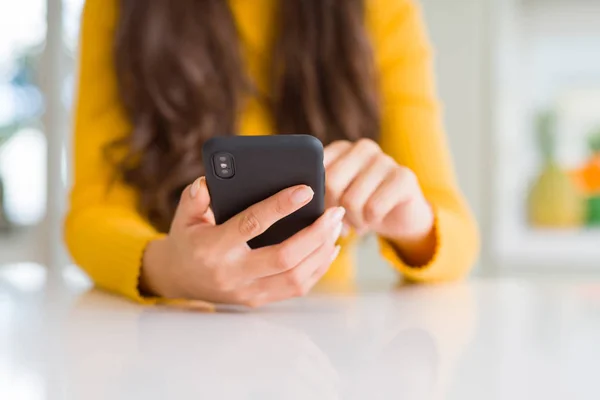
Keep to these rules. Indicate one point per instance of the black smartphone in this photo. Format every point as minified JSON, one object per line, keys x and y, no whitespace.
{"x":244,"y":170}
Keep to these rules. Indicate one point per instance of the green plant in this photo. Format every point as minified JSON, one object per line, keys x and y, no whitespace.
{"x":546,"y":136}
{"x":553,"y":200}
{"x":23,"y":81}
{"x":24,"y":88}
{"x":7,"y":131}
{"x":594,"y":140}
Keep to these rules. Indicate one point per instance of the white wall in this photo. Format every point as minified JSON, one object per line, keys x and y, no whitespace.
{"x":457,"y":30}
{"x":460,"y":32}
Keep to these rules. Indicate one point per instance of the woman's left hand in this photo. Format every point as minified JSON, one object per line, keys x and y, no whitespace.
{"x":379,"y":195}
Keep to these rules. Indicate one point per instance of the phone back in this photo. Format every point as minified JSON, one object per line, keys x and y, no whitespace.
{"x":263,"y":166}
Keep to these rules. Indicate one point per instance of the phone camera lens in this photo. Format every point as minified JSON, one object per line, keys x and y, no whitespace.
{"x":224,"y":165}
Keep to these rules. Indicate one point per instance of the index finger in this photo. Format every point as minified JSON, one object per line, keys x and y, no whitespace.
{"x":258,"y":218}
{"x":334,"y":151}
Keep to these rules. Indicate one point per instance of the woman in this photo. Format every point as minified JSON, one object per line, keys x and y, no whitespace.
{"x":159,"y":78}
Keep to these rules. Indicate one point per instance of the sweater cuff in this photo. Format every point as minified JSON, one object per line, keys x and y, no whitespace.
{"x":130,"y":250}
{"x":110,"y":249}
{"x":452,"y":257}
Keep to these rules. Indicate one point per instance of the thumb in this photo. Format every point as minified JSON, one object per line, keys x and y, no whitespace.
{"x":194,"y":203}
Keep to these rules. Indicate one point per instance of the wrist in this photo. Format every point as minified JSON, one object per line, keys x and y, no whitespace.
{"x":155,"y":271}
{"x":417,"y":244}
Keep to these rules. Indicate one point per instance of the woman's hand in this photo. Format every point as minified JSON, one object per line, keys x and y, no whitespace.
{"x":380,"y":196}
{"x":203,"y":261}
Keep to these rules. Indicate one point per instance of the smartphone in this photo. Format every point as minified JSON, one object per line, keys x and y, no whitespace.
{"x":244,"y":170}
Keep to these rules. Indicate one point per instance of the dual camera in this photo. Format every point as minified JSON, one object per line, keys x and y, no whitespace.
{"x":224,"y":165}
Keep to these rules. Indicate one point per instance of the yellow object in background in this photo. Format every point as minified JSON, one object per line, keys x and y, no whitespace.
{"x":554,"y":199}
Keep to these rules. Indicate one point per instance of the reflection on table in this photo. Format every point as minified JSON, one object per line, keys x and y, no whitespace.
{"x":67,"y":340}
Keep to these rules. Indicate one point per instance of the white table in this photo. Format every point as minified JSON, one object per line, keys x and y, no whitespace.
{"x":487,"y":339}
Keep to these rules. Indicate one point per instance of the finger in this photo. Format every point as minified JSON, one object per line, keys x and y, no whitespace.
{"x":209,"y":217}
{"x":283,"y":257}
{"x":345,"y":230}
{"x":343,"y":171}
{"x":258,"y":218}
{"x":335,"y":150}
{"x":193,"y":204}
{"x":320,"y":272}
{"x":400,"y":187}
{"x":296,"y":282}
{"x":363,"y":187}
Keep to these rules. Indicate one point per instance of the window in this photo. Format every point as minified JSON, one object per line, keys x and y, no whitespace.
{"x":28,"y":95}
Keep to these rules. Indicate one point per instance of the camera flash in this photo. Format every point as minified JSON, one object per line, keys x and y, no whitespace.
{"x":223,"y":164}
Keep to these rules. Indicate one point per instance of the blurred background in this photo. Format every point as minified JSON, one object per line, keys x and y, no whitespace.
{"x":520,"y":81}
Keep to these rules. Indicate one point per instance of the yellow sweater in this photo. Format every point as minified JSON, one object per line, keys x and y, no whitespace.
{"x":104,"y":231}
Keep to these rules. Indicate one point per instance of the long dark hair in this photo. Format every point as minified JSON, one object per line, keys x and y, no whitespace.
{"x":182,"y":80}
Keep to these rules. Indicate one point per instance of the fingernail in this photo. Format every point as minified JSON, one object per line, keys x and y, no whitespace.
{"x":338,"y":214}
{"x":336,"y":253}
{"x":195,"y":187}
{"x":338,"y":231}
{"x":302,"y":195}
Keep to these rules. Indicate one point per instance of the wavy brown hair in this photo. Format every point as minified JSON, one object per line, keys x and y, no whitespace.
{"x":182,"y":81}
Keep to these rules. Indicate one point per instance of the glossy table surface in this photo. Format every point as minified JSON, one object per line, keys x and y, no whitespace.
{"x":486,"y":339}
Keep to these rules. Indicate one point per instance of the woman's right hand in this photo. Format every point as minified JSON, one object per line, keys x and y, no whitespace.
{"x":202,"y":261}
